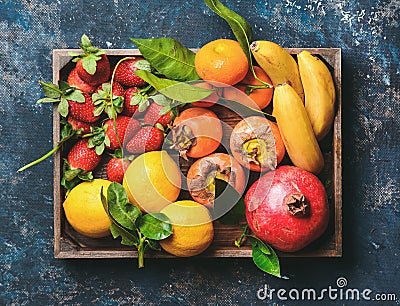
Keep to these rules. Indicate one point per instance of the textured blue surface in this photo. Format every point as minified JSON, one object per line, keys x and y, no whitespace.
{"x":368,"y":33}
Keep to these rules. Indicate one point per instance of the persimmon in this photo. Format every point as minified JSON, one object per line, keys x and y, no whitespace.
{"x":196,"y":132}
{"x":203,"y":172}
{"x":257,"y":144}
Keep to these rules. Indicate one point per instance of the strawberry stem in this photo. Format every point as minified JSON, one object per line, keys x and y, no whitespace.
{"x":35,"y":162}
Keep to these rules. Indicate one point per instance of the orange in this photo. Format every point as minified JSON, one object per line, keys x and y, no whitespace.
{"x":84,"y":210}
{"x":263,"y":96}
{"x":192,"y":227}
{"x":152,"y":181}
{"x":221,"y":60}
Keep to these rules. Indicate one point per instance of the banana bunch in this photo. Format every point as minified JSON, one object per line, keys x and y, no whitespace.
{"x":303,"y":103}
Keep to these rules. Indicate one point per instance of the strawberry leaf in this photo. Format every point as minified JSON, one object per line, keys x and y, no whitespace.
{"x":89,"y":64}
{"x":118,"y":103}
{"x":76,"y":96}
{"x":165,"y":110}
{"x":63,"y":107}
{"x":48,"y":100}
{"x":74,"y":54}
{"x":100,"y":149}
{"x":51,"y":90}
{"x":160,"y":100}
{"x":98,"y":110}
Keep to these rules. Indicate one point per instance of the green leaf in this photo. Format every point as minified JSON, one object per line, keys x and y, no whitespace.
{"x":154,"y":226}
{"x":127,"y":238}
{"x":48,"y":100}
{"x":89,"y":64}
{"x":98,"y":110}
{"x":76,"y":96}
{"x":225,"y":193}
{"x":169,"y":57}
{"x":100,"y":149}
{"x":267,"y":263}
{"x":240,"y":27}
{"x":179,"y":91}
{"x":120,"y":208}
{"x":160,"y":100}
{"x":51,"y":90}
{"x":259,"y":243}
{"x":153,"y":244}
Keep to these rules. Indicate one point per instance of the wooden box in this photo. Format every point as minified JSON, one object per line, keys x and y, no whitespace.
{"x":70,"y":244}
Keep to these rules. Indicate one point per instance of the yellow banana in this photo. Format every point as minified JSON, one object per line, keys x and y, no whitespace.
{"x":296,"y":130}
{"x":319,"y":91}
{"x":278,"y":64}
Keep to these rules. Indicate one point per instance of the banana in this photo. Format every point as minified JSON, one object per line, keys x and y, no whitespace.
{"x":278,"y":64}
{"x":296,"y":130}
{"x":319,"y":91}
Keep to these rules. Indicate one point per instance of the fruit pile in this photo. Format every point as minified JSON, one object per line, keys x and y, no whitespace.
{"x":140,"y":117}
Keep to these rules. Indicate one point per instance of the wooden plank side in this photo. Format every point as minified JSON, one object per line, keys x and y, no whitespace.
{"x":68,"y":244}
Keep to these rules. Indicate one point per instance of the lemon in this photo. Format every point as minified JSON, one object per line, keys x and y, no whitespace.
{"x":152,"y":181}
{"x":84,"y":210}
{"x":193,"y":230}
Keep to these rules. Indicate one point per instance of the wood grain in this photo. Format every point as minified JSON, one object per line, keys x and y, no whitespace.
{"x":70,"y":244}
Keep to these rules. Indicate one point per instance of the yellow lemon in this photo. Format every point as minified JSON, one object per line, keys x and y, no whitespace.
{"x":152,"y":181}
{"x":193,"y":230}
{"x":84,"y":210}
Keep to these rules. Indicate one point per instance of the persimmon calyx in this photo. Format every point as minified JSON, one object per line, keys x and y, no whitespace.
{"x":182,"y":139}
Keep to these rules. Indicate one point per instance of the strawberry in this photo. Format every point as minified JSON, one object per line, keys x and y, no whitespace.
{"x":77,"y":125}
{"x":113,"y":104}
{"x":75,"y":81}
{"x":125,"y":127}
{"x":125,"y":72}
{"x":116,"y":168}
{"x":155,"y":114}
{"x":147,"y":139}
{"x":83,"y":111}
{"x":82,"y":157}
{"x":92,"y":65}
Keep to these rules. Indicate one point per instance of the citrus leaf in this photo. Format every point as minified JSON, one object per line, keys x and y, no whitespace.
{"x":127,"y":238}
{"x":240,"y":27}
{"x":267,"y":263}
{"x":120,"y":208}
{"x":179,"y":91}
{"x":169,"y":57}
{"x":154,"y":226}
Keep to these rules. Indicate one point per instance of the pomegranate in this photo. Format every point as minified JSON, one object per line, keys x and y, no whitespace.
{"x":287,"y":208}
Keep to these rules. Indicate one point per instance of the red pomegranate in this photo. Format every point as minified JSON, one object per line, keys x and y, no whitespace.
{"x":287,"y":208}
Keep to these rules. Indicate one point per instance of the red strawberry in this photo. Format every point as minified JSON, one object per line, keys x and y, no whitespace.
{"x":83,"y":111}
{"x":92,"y":64}
{"x":125,"y":72}
{"x":116,"y":168}
{"x":147,"y":139}
{"x":125,"y":127}
{"x":153,"y":115}
{"x":76,"y":125}
{"x":75,"y":81}
{"x":129,"y":109}
{"x":82,"y":157}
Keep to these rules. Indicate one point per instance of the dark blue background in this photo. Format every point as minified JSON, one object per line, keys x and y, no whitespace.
{"x":368,"y":33}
